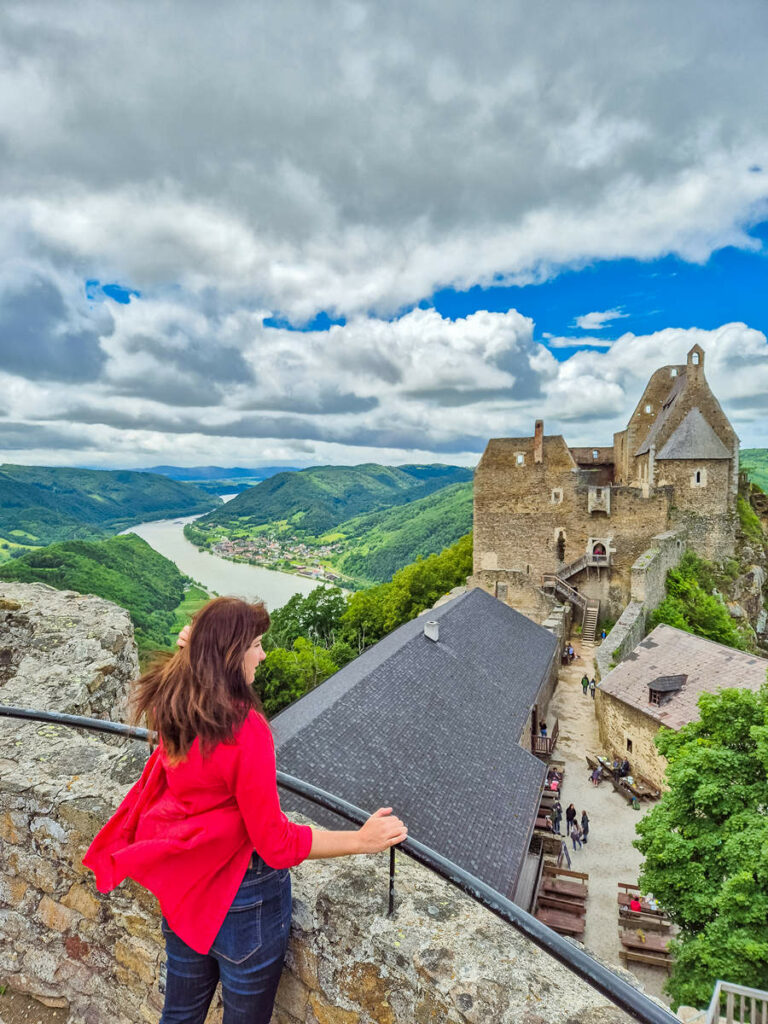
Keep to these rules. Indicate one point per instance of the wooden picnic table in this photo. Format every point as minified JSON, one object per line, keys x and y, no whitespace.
{"x":624,"y":899}
{"x":637,"y":939}
{"x":561,"y":921}
{"x":566,"y":903}
{"x":561,"y":887}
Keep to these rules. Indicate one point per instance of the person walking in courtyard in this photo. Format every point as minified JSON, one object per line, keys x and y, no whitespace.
{"x":584,"y":826}
{"x":592,"y":687}
{"x":203,"y":830}
{"x":585,"y":683}
{"x":570,"y":816}
{"x":575,"y":835}
{"x":596,"y":776}
{"x":557,"y":816}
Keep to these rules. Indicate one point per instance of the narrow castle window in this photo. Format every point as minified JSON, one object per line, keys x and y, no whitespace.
{"x":698,"y":476}
{"x":561,"y":547}
{"x":520,"y":458}
{"x":648,"y":408}
{"x":695,"y":358}
{"x":557,"y":496}
{"x":673,"y":372}
{"x":595,"y":453}
{"x":629,"y":746}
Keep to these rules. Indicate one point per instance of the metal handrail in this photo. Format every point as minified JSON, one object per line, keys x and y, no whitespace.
{"x":578,"y":961}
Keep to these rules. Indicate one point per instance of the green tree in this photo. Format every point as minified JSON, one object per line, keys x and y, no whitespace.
{"x":286,"y":675}
{"x":316,"y":615}
{"x":706,"y":845}
{"x":691,"y":607}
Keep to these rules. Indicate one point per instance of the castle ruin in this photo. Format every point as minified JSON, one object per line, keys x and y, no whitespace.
{"x":552,"y":521}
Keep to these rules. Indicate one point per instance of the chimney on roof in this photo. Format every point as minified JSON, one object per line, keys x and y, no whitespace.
{"x":538,"y":441}
{"x":432,"y":630}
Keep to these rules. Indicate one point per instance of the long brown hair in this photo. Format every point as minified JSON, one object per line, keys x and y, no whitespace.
{"x":201,"y":690}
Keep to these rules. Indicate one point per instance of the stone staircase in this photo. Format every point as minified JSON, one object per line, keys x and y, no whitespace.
{"x":588,"y":607}
{"x":589,"y":623}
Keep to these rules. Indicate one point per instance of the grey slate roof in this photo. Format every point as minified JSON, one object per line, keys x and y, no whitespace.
{"x":432,"y":728}
{"x":694,"y":439}
{"x":707,"y":667}
{"x":664,"y":413}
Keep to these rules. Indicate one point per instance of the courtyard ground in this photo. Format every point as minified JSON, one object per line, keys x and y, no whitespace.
{"x":609,"y":856}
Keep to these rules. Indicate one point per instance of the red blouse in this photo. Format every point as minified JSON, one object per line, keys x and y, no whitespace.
{"x":187,"y":831}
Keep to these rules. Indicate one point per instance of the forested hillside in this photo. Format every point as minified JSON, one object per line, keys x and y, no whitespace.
{"x":312,"y":637}
{"x":313,"y":501}
{"x":40,"y":505}
{"x":380,"y":543}
{"x":755,"y":461}
{"x":125,"y":570}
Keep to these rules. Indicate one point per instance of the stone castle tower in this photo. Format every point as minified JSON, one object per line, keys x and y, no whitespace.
{"x":543,"y":509}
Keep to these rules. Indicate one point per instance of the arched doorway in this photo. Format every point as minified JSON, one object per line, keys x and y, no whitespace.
{"x":599,"y":553}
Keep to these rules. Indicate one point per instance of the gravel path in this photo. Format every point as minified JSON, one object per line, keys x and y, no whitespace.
{"x":609,"y":856}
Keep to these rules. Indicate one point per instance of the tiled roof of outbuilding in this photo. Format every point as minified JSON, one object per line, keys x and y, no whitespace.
{"x":666,"y":651}
{"x":433,"y":729}
{"x":694,"y":439}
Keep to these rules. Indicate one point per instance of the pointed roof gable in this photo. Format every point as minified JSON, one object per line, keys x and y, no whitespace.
{"x":694,"y":439}
{"x":664,"y":413}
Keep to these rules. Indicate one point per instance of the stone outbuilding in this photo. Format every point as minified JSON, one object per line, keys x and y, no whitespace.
{"x":435,"y":720}
{"x":554,"y":520}
{"x":660,"y":683}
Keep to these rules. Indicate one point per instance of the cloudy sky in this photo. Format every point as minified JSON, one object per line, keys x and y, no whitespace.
{"x":312,"y":232}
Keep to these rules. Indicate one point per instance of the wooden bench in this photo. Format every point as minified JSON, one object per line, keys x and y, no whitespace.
{"x":569,"y":905}
{"x":652,"y":959}
{"x":561,"y":887}
{"x":561,"y":922}
{"x":654,"y":920}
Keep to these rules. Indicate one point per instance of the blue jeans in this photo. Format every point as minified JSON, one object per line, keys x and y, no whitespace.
{"x":247,"y":955}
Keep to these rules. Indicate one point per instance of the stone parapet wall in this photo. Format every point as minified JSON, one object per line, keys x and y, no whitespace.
{"x":440,"y":958}
{"x":62,"y":651}
{"x":648,"y":589}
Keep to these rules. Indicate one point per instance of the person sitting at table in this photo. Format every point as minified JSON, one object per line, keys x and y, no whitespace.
{"x":548,"y":823}
{"x":624,"y":768}
{"x":616,"y":769}
{"x":635,"y":905}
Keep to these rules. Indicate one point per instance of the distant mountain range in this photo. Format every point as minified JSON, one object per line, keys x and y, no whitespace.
{"x":194,"y":474}
{"x":40,"y":504}
{"x":313,"y":501}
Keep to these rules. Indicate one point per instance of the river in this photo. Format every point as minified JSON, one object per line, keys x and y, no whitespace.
{"x":219,"y":575}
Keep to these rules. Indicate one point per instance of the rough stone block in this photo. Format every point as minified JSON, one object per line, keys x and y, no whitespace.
{"x":139,"y":958}
{"x":80,"y":899}
{"x":55,"y":916}
{"x":292,"y":995}
{"x":327,"y":1014}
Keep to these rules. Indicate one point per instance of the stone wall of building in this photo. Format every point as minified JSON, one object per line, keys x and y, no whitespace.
{"x":441,"y":957}
{"x":618,"y":724}
{"x":62,"y":651}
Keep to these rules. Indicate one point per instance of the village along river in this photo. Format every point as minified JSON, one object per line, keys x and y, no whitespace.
{"x":214,"y":573}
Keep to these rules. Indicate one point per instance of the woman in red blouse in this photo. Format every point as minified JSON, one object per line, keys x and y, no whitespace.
{"x":202,"y":828}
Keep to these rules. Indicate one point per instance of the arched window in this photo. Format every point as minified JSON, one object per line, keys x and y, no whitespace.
{"x":695,"y":358}
{"x":561,"y":547}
